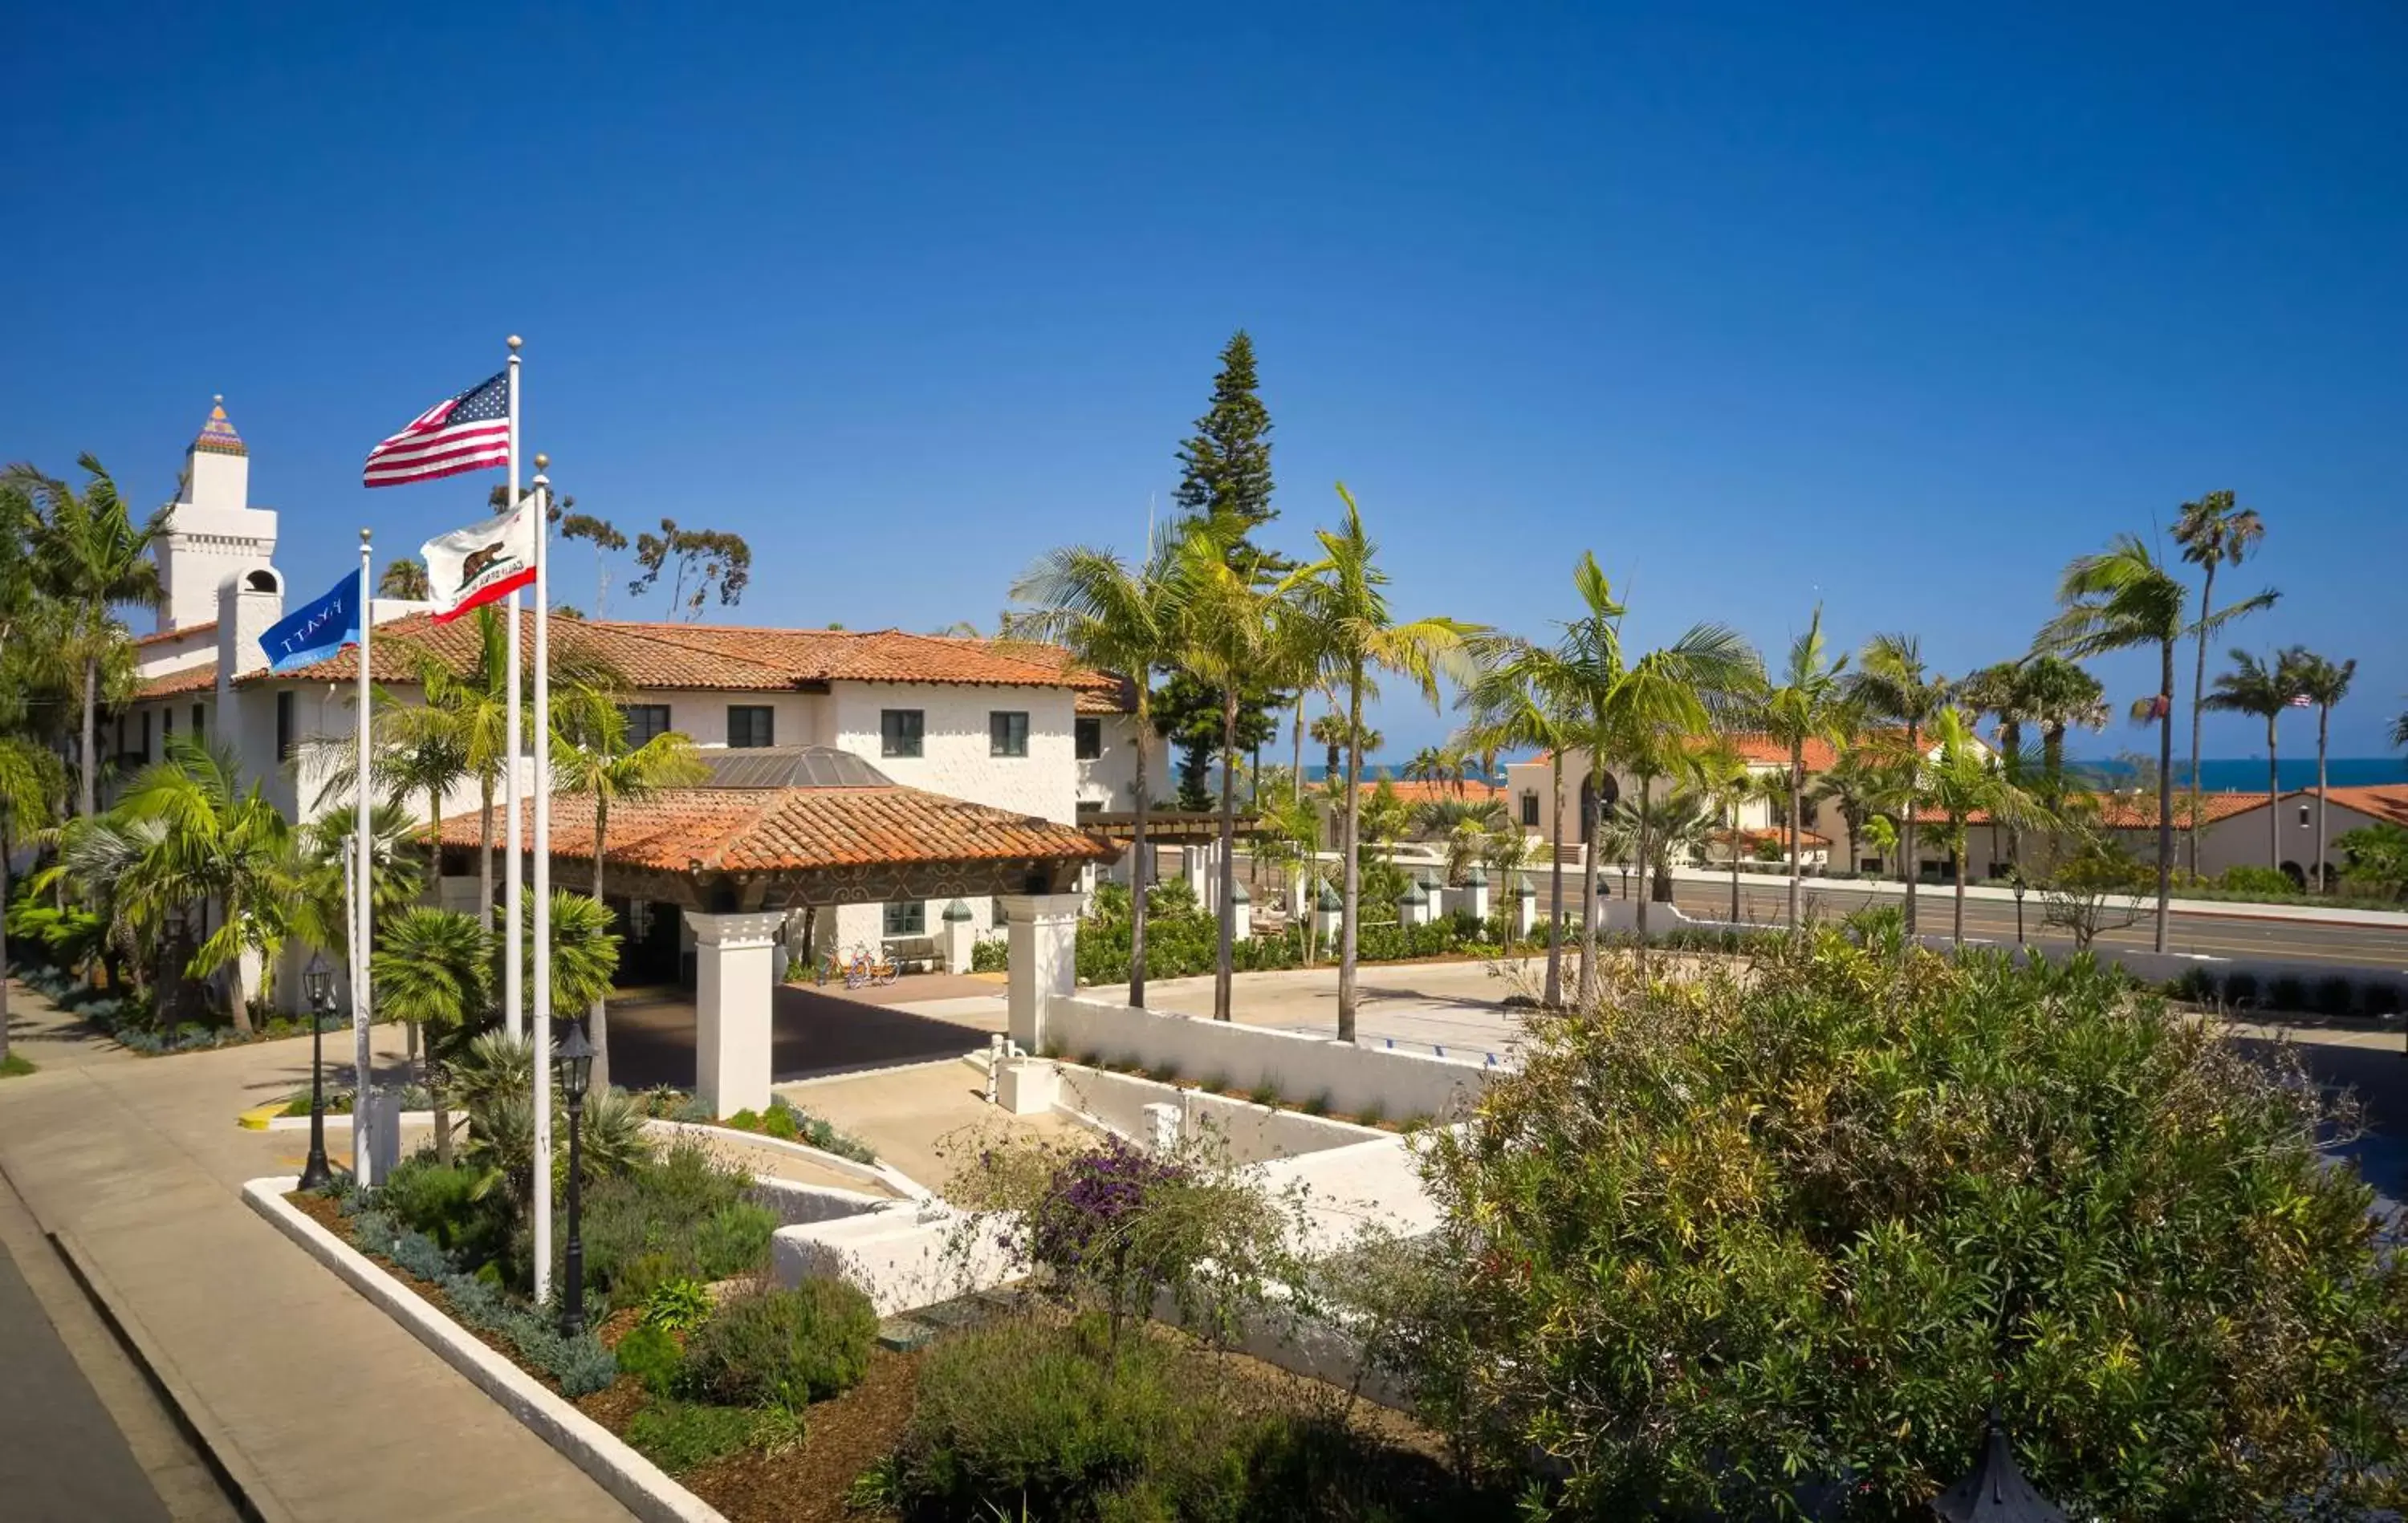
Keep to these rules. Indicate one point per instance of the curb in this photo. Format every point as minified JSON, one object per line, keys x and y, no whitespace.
{"x":640,"y":1485}
{"x":227,"y":1463}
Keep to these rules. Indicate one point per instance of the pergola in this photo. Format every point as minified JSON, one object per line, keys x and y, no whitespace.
{"x":779,"y":830}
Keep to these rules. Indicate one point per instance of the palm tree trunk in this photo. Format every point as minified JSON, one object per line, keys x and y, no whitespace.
{"x":1350,"y":916}
{"x":2273,"y":814}
{"x":1224,"y":965}
{"x":435,"y":847}
{"x":1646,"y":789}
{"x":1555,"y":890}
{"x":2166,"y":788}
{"x":1734,"y":856}
{"x":2324,"y":722}
{"x":1912,"y":865}
{"x":599,"y":1020}
{"x":88,"y":784}
{"x":1797,"y":810}
{"x":1141,"y":869}
{"x":1957,"y":926}
{"x":485,"y":854}
{"x":1296,"y":783}
{"x":3,"y":945}
{"x":1589,"y":795}
{"x":2198,"y":712}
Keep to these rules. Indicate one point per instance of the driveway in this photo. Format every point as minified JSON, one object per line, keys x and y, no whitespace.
{"x":814,"y":1031}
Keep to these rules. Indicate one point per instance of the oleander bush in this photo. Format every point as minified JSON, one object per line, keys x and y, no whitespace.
{"x":1838,"y":1207}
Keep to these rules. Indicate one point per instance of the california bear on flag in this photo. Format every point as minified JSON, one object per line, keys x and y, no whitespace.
{"x":482,"y":562}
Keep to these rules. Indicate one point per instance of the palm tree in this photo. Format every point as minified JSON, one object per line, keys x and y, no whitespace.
{"x":1858,"y":778}
{"x":1344,"y":596}
{"x":1115,"y":618}
{"x":1330,"y":730}
{"x":29,"y":780}
{"x":404,"y":576}
{"x":2056,"y":695}
{"x":464,"y":722}
{"x":1959,"y":780}
{"x":322,"y":880}
{"x":1727,"y":781}
{"x":585,"y":949}
{"x":1226,"y":634}
{"x":1384,"y":817}
{"x":2212,"y":532}
{"x":2264,"y":689}
{"x":216,"y":844}
{"x":2123,"y":599}
{"x":1644,"y":712}
{"x":1679,"y":822}
{"x":1427,"y":765}
{"x":590,"y":758}
{"x":1510,"y":705}
{"x":91,"y":556}
{"x":1808,"y":703}
{"x":2323,"y":682}
{"x":1891,"y":683}
{"x":434,"y":969}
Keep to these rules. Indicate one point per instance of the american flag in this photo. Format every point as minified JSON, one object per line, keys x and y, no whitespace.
{"x":2300,"y":699}
{"x":470,"y":432}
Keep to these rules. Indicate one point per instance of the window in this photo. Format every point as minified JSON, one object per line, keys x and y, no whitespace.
{"x":284,"y":725}
{"x":196,"y":721}
{"x":167,"y":724}
{"x":898,"y":732}
{"x":2304,"y":816}
{"x":1007,"y":733}
{"x":1531,"y":809}
{"x":646,"y":721}
{"x":1090,"y":740}
{"x":146,"y":735}
{"x":750,"y":726}
{"x":907,"y":919}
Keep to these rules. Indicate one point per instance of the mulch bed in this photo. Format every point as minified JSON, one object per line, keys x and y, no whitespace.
{"x":806,"y":1483}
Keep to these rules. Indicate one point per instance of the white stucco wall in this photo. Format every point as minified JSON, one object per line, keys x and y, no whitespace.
{"x":1110,"y":780}
{"x":797,"y":718}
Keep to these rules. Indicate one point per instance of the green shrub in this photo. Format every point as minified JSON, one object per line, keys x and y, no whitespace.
{"x":746,"y":1120}
{"x":442,"y":1201}
{"x":2194,"y":986}
{"x":1316,"y":1104}
{"x":991,"y":954}
{"x":780,"y":1123}
{"x":652,"y":1355}
{"x":15,"y":1064}
{"x":2240,"y":990}
{"x":2258,"y":880}
{"x":2334,"y":995}
{"x":1265,"y":1093}
{"x":681,"y":1437}
{"x":678,"y":1306}
{"x":789,"y":1345}
{"x":2382,"y":997}
{"x":2287,"y":992}
{"x":681,"y":1213}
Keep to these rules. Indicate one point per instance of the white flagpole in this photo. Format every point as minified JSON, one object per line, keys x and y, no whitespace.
{"x":542,"y":954}
{"x":513,"y":984}
{"x":363,"y":910}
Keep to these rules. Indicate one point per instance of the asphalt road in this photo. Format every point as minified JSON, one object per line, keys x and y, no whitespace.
{"x":61,"y":1457}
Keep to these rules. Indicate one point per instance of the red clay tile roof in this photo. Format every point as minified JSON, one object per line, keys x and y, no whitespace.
{"x":1776,"y":835}
{"x":1100,"y":692}
{"x":2384,"y":801}
{"x":2122,"y":812}
{"x":179,"y":633}
{"x":702,"y":656}
{"x":1419,"y":791}
{"x":199,"y":678}
{"x":798,"y":829}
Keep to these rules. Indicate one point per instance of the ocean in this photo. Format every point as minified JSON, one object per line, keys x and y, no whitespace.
{"x":2217,"y":775}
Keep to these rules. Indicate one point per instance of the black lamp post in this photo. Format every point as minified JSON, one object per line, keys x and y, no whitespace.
{"x":1995,"y":1490}
{"x":318,"y":980}
{"x":576,"y":1071}
{"x":2019,"y":909}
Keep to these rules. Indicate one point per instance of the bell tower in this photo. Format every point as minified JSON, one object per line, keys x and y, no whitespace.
{"x":213,"y":532}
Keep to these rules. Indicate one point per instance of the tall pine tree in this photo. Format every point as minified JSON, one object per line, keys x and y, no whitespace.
{"x":1225,"y":473}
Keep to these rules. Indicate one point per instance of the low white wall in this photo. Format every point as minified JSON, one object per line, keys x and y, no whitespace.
{"x":903,"y":1255}
{"x":1255,"y":1134}
{"x":796,"y":1204}
{"x":1355,"y":1078}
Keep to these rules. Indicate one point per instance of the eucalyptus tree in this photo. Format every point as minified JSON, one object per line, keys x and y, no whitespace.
{"x":2212,"y":532}
{"x":2125,"y":599}
{"x":1119,"y":618}
{"x":1512,"y":702}
{"x":2261,"y":690}
{"x":592,"y":760}
{"x":1805,"y":703}
{"x":1960,"y":780}
{"x":1891,"y":683}
{"x":1344,"y":597}
{"x":91,"y":557}
{"x":2324,"y":683}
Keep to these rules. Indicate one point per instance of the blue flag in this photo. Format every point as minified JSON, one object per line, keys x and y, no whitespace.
{"x":316,"y":630}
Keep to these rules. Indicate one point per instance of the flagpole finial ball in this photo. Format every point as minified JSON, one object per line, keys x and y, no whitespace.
{"x":364,"y":537}
{"x":515,"y":341}
{"x":544,"y":463}
{"x":218,"y":399}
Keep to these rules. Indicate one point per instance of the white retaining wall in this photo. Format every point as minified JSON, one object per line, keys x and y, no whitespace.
{"x":1355,"y":1078}
{"x":1255,"y":1134}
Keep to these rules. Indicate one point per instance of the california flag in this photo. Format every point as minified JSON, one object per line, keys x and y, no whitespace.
{"x":481,"y":565}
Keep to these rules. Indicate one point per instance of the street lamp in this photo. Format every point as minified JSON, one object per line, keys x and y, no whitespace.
{"x":1995,"y":1491}
{"x":319,"y":981}
{"x":2019,"y":909}
{"x":576,"y":1071}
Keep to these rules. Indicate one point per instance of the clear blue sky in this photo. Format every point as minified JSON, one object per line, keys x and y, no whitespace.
{"x":1777,"y":303}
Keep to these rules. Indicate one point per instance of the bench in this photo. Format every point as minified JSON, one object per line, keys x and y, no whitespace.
{"x":914,"y":951}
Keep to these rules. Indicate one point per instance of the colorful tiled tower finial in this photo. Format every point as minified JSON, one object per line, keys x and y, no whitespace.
{"x":217,"y":435}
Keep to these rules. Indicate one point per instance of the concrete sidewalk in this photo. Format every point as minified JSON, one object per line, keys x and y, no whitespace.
{"x":318,"y":1404}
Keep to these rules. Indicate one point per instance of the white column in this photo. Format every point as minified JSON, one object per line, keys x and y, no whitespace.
{"x":1526,"y":907}
{"x":955,"y":939}
{"x":732,"y":1004}
{"x":1194,"y":866}
{"x":1044,"y":963}
{"x":1242,"y":903}
{"x":1414,"y":907}
{"x":1473,"y":896}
